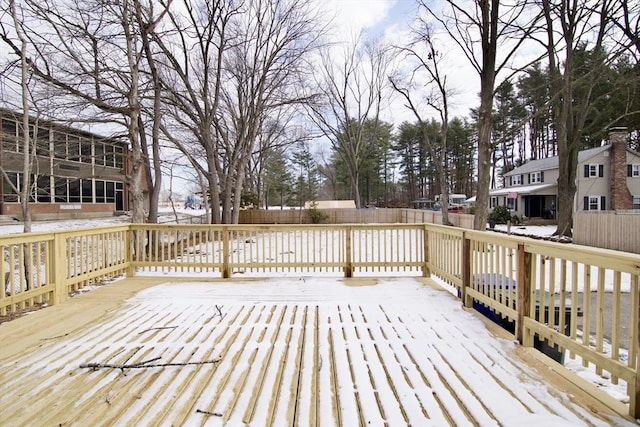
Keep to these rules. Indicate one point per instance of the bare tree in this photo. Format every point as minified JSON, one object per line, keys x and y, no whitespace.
{"x":481,"y":32}
{"x":27,"y":147}
{"x":425,"y":60}
{"x":350,"y":94}
{"x":233,"y":68}
{"x":146,"y":21}
{"x":192,"y":73}
{"x":91,"y":53}
{"x":625,"y":16}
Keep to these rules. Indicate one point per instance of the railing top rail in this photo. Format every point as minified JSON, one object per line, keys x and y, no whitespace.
{"x":506,"y":240}
{"x":378,"y":226}
{"x":447,"y":229}
{"x":49,"y":235}
{"x":623,"y":261}
{"x":12,"y":239}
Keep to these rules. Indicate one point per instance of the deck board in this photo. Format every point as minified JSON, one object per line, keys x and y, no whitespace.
{"x":300,"y":353}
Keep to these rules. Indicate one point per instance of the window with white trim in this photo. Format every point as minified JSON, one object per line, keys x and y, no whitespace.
{"x":593,"y":171}
{"x":636,"y":202}
{"x":535,"y":177}
{"x":635,"y":171}
{"x":516,"y":180}
{"x":594,"y":203}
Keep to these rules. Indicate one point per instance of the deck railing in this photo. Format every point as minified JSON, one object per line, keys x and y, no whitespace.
{"x":580,"y":299}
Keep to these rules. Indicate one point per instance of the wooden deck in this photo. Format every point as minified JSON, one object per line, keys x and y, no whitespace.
{"x":305,"y":352}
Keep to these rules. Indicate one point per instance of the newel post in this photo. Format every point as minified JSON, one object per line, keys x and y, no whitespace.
{"x":523,"y":289}
{"x":466,"y":271}
{"x":57,"y":264}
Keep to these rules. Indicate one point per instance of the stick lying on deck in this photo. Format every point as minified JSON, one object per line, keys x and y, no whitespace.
{"x":144,"y":364}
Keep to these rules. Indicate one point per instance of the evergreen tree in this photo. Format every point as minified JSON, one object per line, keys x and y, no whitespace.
{"x":308,"y":177}
{"x":278,"y":181}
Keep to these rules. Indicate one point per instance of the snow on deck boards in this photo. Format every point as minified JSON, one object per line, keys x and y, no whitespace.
{"x":282,"y":352}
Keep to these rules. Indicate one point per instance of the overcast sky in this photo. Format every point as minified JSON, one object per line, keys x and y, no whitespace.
{"x":391,"y":20}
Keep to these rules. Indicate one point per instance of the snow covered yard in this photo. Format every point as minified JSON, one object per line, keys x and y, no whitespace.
{"x":280,"y":351}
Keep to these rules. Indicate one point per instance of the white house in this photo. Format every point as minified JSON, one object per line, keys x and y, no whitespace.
{"x":608,"y":178}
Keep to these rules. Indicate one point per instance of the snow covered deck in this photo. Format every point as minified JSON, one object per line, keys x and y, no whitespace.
{"x":277,"y":352}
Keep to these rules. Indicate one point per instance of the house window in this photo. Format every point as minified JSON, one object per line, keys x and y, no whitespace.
{"x":42,"y":142}
{"x":516,"y":180}
{"x":111,"y":192}
{"x":119,"y":160}
{"x":73,"y":148}
{"x":100,"y":158}
{"x":43,"y":190}
{"x":595,"y":203}
{"x":535,"y":177}
{"x":11,"y":186}
{"x":593,"y":171}
{"x":633,"y":171}
{"x":85,"y":147}
{"x":636,"y":202}
{"x":74,"y":191}
{"x":100,"y":196}
{"x":61,"y":190}
{"x":59,"y":145}
{"x":9,"y":135}
{"x":87,"y":191}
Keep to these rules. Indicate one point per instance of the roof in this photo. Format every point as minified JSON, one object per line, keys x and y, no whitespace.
{"x":552,"y":162}
{"x":524,"y":189}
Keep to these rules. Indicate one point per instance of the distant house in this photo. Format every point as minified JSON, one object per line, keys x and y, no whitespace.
{"x":608,"y":178}
{"x":76,"y":173}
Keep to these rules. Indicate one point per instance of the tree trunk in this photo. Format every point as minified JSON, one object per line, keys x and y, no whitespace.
{"x":484,"y":163}
{"x":489,"y":30}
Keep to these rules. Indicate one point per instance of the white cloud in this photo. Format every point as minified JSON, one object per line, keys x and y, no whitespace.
{"x":352,"y":16}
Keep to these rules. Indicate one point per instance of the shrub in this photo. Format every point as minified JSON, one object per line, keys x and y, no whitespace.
{"x":316,"y":216}
{"x":500,"y":215}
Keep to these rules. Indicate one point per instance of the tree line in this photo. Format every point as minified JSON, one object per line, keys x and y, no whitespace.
{"x":239,"y":92}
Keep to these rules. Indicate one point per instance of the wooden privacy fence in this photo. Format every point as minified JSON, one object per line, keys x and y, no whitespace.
{"x":618,"y":230}
{"x":354,"y":216}
{"x":568,"y":297}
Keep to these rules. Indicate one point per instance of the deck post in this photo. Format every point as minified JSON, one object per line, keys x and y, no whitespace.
{"x":57,"y":262}
{"x":129,"y":251}
{"x":226,"y":272}
{"x":634,"y":391}
{"x":348,"y":267}
{"x":425,"y":268}
{"x":466,"y":271}
{"x":523,"y":290}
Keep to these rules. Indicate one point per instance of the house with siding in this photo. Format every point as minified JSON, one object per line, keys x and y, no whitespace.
{"x":74,"y":173}
{"x":608,"y":178}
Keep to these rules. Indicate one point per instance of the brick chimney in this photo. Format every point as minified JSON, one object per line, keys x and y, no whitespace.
{"x":620,"y":195}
